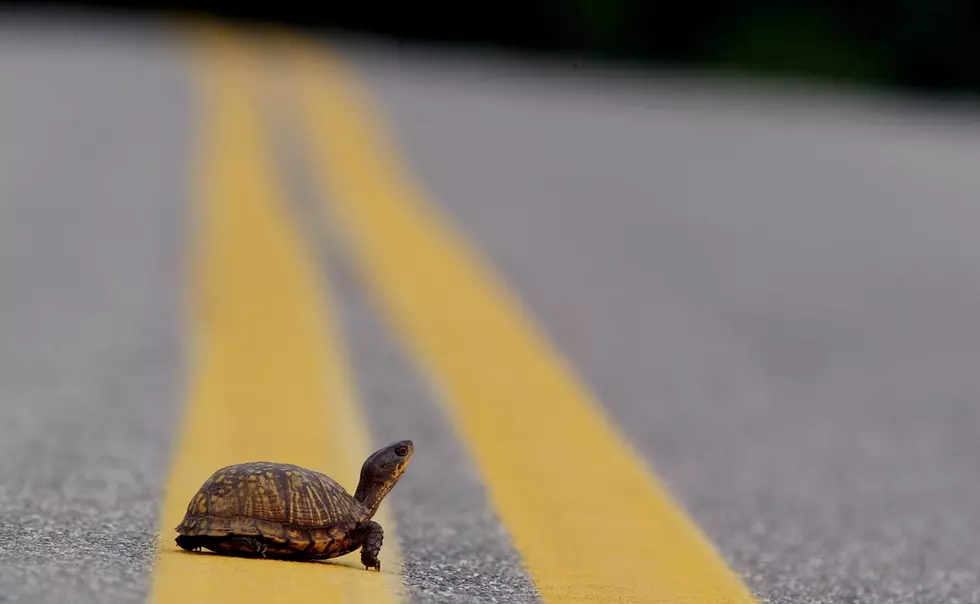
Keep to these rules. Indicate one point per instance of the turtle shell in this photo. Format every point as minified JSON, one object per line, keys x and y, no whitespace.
{"x":297,"y":509}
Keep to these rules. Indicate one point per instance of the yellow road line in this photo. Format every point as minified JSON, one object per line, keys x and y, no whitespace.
{"x":588,"y":516}
{"x":270,"y":380}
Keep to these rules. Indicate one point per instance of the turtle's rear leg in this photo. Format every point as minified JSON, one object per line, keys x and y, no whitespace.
{"x":189,"y":543}
{"x":231,"y":545}
{"x":250,"y":545}
{"x":372,"y":545}
{"x":260,"y":547}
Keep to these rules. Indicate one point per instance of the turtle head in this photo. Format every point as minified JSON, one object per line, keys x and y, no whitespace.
{"x":381,"y":471}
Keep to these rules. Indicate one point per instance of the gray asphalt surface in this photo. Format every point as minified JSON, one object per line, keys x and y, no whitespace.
{"x":774,"y":296}
{"x":92,"y":186}
{"x":454,"y":548}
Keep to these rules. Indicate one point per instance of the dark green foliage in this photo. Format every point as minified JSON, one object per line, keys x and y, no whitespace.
{"x":930,"y":44}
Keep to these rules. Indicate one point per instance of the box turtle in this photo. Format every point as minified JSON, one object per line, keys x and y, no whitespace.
{"x":276,"y":510}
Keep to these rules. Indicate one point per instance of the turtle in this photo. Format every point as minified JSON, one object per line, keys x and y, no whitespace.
{"x":284,"y":511}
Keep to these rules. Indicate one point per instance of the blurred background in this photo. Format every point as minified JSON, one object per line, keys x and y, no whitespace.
{"x":776,"y":302}
{"x":908,"y":44}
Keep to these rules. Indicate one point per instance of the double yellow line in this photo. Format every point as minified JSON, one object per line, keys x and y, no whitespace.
{"x":271,"y":381}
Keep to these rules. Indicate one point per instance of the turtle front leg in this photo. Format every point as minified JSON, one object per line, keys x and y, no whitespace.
{"x":374,"y":535}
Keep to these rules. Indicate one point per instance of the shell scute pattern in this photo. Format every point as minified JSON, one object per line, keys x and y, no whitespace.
{"x":199,"y":505}
{"x":300,"y":539}
{"x":279,"y":510}
{"x":282,"y":503}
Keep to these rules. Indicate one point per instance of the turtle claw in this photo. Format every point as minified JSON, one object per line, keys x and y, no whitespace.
{"x":260,"y":548}
{"x":257,"y":546}
{"x":369,"y":564}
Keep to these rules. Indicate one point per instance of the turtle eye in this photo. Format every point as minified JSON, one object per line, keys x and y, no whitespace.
{"x":401,"y":450}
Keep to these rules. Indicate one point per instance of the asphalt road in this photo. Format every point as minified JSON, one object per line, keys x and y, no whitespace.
{"x":773,"y":297}
{"x":91,"y":178}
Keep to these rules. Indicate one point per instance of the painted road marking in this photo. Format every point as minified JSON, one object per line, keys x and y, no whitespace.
{"x":269,"y":375}
{"x":590,"y":519}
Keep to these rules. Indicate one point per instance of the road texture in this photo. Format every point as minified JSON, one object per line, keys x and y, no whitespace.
{"x":775,"y":300}
{"x":91,"y":181}
{"x":772,"y":296}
